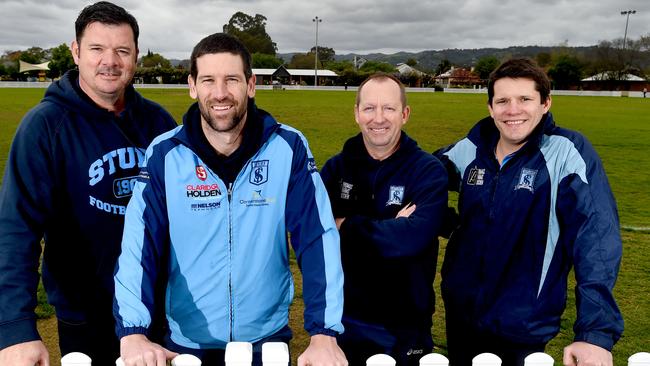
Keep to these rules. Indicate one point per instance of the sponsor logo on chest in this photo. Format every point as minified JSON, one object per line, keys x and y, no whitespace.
{"x":475,"y":177}
{"x":346,"y":188}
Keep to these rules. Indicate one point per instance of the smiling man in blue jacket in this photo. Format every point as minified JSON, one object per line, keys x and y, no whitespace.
{"x":209,"y":219}
{"x":534,"y":201}
{"x":388,"y":197}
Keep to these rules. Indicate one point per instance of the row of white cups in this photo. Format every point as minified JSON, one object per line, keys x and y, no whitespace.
{"x":277,"y":354}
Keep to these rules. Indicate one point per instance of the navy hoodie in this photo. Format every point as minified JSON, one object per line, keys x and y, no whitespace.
{"x":389,"y":264}
{"x":68,"y":180}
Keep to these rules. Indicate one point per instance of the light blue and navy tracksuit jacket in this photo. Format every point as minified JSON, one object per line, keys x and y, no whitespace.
{"x":223,"y":251}
{"x":522,"y":227}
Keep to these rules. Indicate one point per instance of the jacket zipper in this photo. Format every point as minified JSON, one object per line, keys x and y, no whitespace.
{"x":230,"y":300}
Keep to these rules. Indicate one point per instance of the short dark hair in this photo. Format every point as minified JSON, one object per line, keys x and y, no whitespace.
{"x":521,"y":68}
{"x":106,"y":13}
{"x":383,"y":76}
{"x":221,"y":43}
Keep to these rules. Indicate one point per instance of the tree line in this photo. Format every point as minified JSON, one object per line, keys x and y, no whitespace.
{"x":565,"y":65}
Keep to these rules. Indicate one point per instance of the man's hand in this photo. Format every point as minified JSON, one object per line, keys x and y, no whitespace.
{"x":406,"y":211}
{"x":25,"y":354}
{"x":324,"y":351}
{"x":137,"y":350}
{"x":339,"y":222}
{"x":586,"y":354}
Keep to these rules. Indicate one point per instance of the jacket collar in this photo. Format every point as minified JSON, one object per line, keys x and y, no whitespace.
{"x":485,"y":135}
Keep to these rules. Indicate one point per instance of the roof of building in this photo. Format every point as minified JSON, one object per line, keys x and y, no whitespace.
{"x":26,"y":66}
{"x":294,"y":72}
{"x":611,"y":76}
{"x":404,"y":69}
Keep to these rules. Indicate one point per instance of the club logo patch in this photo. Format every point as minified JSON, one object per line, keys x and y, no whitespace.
{"x":526,"y":179}
{"x":259,"y":172}
{"x":201,"y":173}
{"x":345,"y":190}
{"x":395,"y":195}
{"x":475,"y":177}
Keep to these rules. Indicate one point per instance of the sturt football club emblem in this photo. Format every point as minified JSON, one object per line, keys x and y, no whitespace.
{"x":201,"y":173}
{"x":475,"y":176}
{"x":526,"y":179}
{"x":259,"y":172}
{"x":395,"y":195}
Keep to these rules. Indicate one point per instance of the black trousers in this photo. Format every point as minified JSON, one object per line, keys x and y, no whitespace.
{"x":463,"y":344}
{"x":95,"y":338}
{"x":405,"y":346}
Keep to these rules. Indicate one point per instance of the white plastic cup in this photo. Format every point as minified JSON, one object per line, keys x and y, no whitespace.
{"x":434,"y":359}
{"x":186,"y":360}
{"x":538,"y":359}
{"x":380,"y":360}
{"x":239,"y":354}
{"x":275,"y":354}
{"x":486,"y":359}
{"x":639,"y":359}
{"x":76,"y":359}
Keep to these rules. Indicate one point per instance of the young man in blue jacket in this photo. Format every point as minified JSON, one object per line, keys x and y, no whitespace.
{"x":534,"y":201}
{"x":68,"y":179}
{"x":210,"y":214}
{"x":388,"y":197}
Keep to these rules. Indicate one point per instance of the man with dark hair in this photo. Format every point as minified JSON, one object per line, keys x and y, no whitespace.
{"x":71,"y":168}
{"x":211,"y":211}
{"x":388,"y":198}
{"x":534,"y":201}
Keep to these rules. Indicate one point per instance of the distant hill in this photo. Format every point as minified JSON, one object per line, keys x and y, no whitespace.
{"x":429,"y":60}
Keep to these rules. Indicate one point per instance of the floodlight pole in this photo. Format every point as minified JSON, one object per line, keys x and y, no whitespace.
{"x":627,"y":20}
{"x":316,"y":20}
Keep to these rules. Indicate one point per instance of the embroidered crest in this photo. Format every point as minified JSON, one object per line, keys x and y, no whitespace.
{"x":526,"y":179}
{"x":201,"y":173}
{"x":259,"y":172}
{"x":475,"y":177}
{"x":346,"y":188}
{"x":395,"y":195}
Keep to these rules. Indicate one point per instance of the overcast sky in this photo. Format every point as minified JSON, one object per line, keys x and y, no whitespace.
{"x":173,"y":27}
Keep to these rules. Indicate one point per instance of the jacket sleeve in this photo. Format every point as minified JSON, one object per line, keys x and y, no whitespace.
{"x":448,"y":159}
{"x":142,"y":262}
{"x":26,"y":202}
{"x":389,"y":235}
{"x":588,"y":217}
{"x":315,"y":240}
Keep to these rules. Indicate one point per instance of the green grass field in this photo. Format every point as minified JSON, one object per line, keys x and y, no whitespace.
{"x":619,"y":129}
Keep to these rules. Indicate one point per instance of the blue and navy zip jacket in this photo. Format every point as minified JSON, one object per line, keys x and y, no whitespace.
{"x":68,"y":180}
{"x":224,"y":249}
{"x":389,"y":263}
{"x":523,"y":226}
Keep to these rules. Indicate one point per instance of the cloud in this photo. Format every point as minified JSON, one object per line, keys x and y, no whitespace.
{"x":173,"y":27}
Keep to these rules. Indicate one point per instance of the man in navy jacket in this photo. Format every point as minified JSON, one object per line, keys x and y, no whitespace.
{"x":534,"y":201}
{"x":68,"y":179}
{"x":388,"y":198}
